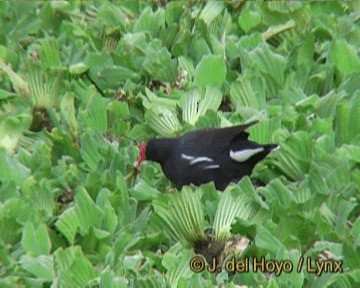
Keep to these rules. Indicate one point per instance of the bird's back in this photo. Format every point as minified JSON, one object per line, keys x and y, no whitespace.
{"x":212,"y":140}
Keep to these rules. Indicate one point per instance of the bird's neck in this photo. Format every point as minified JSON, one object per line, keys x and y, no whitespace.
{"x":160,"y":149}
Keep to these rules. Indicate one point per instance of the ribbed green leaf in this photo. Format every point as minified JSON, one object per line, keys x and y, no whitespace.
{"x":335,"y":170}
{"x":303,"y":193}
{"x":179,"y":268}
{"x":160,"y":65}
{"x":278,"y":195}
{"x":342,"y":131}
{"x":190,"y":106}
{"x":210,"y":119}
{"x":89,"y":148}
{"x":10,"y":225}
{"x":211,"y":100}
{"x":249,"y":19}
{"x":263,"y":132}
{"x":184,"y":218}
{"x":195,"y":105}
{"x":355,"y":232}
{"x":82,"y":216}
{"x":115,"y":76}
{"x":8,"y":56}
{"x":149,"y":21}
{"x":97,"y":62}
{"x":11,"y":128}
{"x":351,"y":255}
{"x":72,"y":268}
{"x":109,"y":280}
{"x":296,"y":278}
{"x":268,"y":62}
{"x":67,"y":109}
{"x":242,"y":93}
{"x":351,"y":152}
{"x":88,"y":213}
{"x":211,"y":11}
{"x":78,"y":69}
{"x":112,"y":16}
{"x":35,"y":241}
{"x":80,"y":273}
{"x":234,"y":203}
{"x":64,"y":258}
{"x":143,"y":191}
{"x":295,"y":155}
{"x":346,"y":125}
{"x":20,"y":85}
{"x":326,"y":105}
{"x":68,"y":224}
{"x":153,"y":101}
{"x":186,"y":65}
{"x":200,"y":49}
{"x":109,"y":220}
{"x":94,"y":116}
{"x":274,"y":30}
{"x":322,"y":81}
{"x":41,"y":267}
{"x":210,"y":71}
{"x":345,"y":57}
{"x":266,"y":240}
{"x":11,"y":169}
{"x":165,"y":123}
{"x":49,"y":53}
{"x":44,"y":86}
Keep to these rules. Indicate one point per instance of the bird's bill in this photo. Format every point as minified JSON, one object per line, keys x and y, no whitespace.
{"x":141,"y":157}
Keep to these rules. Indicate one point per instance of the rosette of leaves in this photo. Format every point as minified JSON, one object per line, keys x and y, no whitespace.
{"x":202,"y":218}
{"x":162,"y":113}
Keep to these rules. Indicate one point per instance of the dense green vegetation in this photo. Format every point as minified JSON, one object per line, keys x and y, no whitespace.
{"x":82,"y":84}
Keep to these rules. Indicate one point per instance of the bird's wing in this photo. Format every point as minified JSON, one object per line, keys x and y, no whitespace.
{"x":199,"y":162}
{"x":213,"y":141}
{"x":196,"y":169}
{"x":229,"y":133}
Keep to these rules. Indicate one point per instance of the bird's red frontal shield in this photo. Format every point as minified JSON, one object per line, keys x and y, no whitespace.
{"x":142,"y":156}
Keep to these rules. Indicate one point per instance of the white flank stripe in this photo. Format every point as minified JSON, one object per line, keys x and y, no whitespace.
{"x":215,"y":166}
{"x":243,"y":155}
{"x":201,"y":159}
{"x":194,"y":160}
{"x":187,"y":157}
{"x":276,"y":148}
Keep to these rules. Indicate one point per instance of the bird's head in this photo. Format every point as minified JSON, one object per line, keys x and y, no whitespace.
{"x":142,"y":154}
{"x":157,"y":150}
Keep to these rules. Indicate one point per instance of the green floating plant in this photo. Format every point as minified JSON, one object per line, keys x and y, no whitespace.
{"x":195,"y":103}
{"x":49,"y":53}
{"x":184,"y":219}
{"x":44,"y":87}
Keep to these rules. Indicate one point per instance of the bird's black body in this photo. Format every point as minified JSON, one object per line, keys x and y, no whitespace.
{"x":221,"y":155}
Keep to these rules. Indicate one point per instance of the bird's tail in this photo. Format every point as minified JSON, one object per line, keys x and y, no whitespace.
{"x":245,"y":150}
{"x":271,"y":147}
